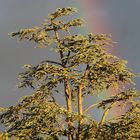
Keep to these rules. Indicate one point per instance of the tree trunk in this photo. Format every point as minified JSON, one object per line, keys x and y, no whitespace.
{"x":80,"y":111}
{"x":69,"y":108}
{"x":67,"y":93}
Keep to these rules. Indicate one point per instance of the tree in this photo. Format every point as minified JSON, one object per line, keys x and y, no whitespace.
{"x":85,"y":68}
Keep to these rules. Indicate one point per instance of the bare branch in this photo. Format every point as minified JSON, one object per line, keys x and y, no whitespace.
{"x":91,"y":106}
{"x":67,"y":57}
{"x":53,"y":62}
{"x":105,"y":113}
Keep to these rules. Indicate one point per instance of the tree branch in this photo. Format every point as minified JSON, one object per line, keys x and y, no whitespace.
{"x":91,"y":106}
{"x":105,"y":113}
{"x":67,"y":57}
{"x":59,"y":43}
{"x":53,"y":62}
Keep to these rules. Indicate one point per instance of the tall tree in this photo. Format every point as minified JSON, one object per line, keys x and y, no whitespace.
{"x":85,"y":68}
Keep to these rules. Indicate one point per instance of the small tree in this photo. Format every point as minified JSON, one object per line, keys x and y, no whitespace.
{"x":85,"y":68}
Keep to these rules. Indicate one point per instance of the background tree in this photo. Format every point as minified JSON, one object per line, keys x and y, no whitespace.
{"x":85,"y":68}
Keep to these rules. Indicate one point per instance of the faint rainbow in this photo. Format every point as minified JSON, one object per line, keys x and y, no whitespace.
{"x":97,"y":23}
{"x":95,"y":16}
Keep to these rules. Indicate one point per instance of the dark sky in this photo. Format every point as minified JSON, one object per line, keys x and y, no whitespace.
{"x":123,"y":20}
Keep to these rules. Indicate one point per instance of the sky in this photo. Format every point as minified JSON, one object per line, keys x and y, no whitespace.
{"x":117,"y":17}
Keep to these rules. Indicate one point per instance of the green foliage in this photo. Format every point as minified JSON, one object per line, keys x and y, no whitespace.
{"x":85,"y":67}
{"x":34,"y":115}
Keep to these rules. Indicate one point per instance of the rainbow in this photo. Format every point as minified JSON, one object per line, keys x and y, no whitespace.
{"x":97,"y":23}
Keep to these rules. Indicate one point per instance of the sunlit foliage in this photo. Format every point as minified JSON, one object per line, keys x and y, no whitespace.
{"x":85,"y":67}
